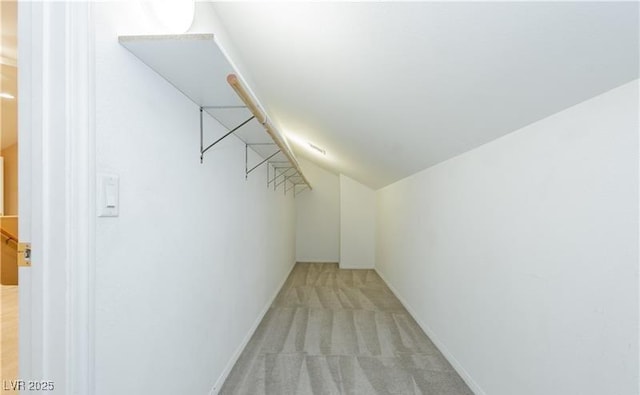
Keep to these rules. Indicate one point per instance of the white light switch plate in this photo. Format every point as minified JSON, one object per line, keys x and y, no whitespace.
{"x":108,"y":195}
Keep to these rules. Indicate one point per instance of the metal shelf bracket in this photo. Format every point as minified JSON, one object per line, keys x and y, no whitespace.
{"x":246,"y":160}
{"x":229,"y":133}
{"x":282,"y":174}
{"x":300,"y":190}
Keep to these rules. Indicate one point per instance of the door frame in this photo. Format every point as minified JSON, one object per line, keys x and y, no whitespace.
{"x":56,"y":93}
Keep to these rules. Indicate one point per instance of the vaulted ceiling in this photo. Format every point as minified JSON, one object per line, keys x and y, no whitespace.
{"x":388,"y":89}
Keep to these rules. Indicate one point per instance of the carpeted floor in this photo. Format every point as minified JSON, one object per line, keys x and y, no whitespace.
{"x":337,"y":331}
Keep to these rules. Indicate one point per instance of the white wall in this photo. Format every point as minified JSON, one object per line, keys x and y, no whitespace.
{"x":318,"y":216}
{"x":357,"y":224}
{"x":197,"y":252}
{"x":520,"y":258}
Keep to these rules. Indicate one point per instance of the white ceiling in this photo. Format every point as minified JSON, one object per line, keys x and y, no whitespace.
{"x":389,"y":89}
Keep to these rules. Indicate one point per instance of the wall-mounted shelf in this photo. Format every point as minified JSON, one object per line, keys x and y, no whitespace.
{"x":198,"y":68}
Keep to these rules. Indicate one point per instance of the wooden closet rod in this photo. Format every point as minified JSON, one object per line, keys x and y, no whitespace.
{"x":261,"y":117}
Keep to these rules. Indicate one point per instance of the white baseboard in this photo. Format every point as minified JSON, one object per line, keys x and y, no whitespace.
{"x":434,"y":338}
{"x":357,"y":267}
{"x":315,"y":261}
{"x":234,"y":358}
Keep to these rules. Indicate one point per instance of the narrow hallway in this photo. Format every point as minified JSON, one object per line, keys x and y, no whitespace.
{"x":338,"y":331}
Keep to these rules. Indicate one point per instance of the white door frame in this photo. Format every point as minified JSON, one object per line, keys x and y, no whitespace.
{"x":57,"y":193}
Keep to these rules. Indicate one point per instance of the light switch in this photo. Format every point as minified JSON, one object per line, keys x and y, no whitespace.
{"x":108,"y":191}
{"x":111,"y":192}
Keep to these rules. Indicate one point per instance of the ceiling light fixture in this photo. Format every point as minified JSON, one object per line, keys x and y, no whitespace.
{"x":315,"y":147}
{"x":9,"y":96}
{"x":308,"y":146}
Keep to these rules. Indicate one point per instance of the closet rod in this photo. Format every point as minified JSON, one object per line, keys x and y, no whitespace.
{"x":260,"y":116}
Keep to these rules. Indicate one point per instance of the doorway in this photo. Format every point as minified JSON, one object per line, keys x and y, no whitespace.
{"x":8,"y":194}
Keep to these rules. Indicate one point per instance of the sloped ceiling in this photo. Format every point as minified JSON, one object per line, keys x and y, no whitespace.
{"x":388,"y":89}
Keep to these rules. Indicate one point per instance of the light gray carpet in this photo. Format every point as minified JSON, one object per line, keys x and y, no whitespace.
{"x":337,"y":331}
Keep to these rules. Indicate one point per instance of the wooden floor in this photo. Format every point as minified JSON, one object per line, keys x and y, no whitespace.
{"x":336,"y":331}
{"x":8,"y":335}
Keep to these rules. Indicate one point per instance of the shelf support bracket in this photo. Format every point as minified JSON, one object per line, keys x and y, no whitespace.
{"x":286,"y":179}
{"x":290,"y":188}
{"x":284,"y":173}
{"x":203,"y":150}
{"x":258,"y":165}
{"x":300,"y":191}
{"x":276,"y":175}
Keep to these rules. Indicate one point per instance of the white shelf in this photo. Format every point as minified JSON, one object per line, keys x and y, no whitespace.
{"x":198,"y":68}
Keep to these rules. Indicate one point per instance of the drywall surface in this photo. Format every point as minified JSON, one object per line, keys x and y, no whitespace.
{"x":318,"y":216}
{"x":196,"y":253}
{"x":357,"y":224}
{"x":520,"y":258}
